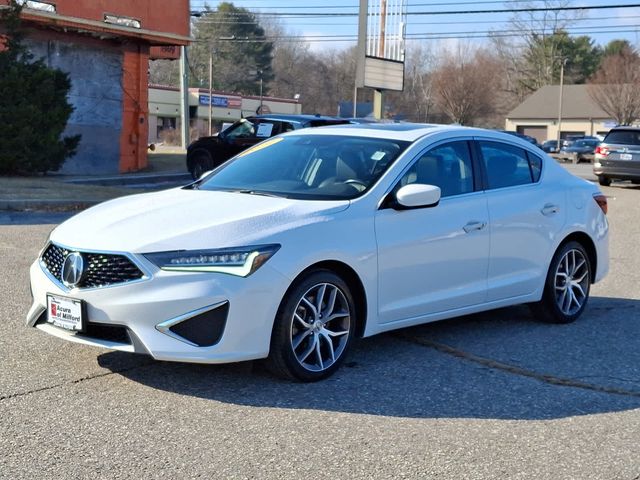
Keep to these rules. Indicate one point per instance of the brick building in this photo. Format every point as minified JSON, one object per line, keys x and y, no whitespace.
{"x":105,"y":47}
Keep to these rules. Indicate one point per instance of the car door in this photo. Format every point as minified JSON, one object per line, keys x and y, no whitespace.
{"x":525,"y":215}
{"x":434,"y":259}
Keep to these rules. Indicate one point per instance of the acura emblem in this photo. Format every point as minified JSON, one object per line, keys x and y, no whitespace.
{"x":72,"y":269}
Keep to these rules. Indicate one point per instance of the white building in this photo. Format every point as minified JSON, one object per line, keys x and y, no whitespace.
{"x":164,"y":110}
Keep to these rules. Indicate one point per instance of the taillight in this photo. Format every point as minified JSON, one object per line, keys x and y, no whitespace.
{"x":601,"y":200}
{"x":604,"y":151}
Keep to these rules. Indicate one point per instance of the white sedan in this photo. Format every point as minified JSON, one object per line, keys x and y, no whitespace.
{"x":309,"y":239}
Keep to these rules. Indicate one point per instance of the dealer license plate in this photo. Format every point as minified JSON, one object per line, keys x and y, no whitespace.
{"x":626,"y":156}
{"x":65,"y":312}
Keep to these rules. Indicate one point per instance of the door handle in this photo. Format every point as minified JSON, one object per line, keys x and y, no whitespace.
{"x":550,"y":209}
{"x":472,"y":226}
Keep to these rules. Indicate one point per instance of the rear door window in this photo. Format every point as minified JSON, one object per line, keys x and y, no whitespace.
{"x":508,"y":165}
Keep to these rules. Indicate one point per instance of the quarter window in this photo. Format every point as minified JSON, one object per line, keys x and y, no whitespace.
{"x":447,"y":166}
{"x":508,"y":166}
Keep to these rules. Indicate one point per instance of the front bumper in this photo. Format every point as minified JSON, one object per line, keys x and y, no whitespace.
{"x":142,"y":307}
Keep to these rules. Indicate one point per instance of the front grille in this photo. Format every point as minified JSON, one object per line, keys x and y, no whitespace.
{"x":101,"y":269}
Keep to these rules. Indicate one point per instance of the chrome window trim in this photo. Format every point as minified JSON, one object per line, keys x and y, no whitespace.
{"x":146,"y":273}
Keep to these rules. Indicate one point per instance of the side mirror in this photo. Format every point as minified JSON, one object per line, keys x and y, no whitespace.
{"x":418,"y":195}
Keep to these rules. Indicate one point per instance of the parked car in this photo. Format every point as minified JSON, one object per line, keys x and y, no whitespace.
{"x":527,"y":138}
{"x":618,"y":156}
{"x":310,"y":239}
{"x":579,"y":150}
{"x":569,"y":139}
{"x":550,"y":146}
{"x":207,"y":153}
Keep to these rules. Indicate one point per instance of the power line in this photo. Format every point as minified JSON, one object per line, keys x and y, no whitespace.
{"x":467,"y":22}
{"x":439,"y":12}
{"x":607,"y":29}
{"x":355,"y":6}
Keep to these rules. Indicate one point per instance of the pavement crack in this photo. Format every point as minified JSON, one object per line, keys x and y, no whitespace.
{"x":72,"y":382}
{"x":515,"y":370}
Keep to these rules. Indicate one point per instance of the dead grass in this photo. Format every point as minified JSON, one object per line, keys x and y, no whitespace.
{"x":162,"y":162}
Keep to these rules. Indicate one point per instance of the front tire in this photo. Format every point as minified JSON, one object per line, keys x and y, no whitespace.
{"x":566,"y":289}
{"x":313,"y":329}
{"x":201,"y":163}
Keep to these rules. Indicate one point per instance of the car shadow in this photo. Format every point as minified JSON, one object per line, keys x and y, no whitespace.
{"x":501,"y":364}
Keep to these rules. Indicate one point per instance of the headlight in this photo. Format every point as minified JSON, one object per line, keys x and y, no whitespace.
{"x":241,"y":261}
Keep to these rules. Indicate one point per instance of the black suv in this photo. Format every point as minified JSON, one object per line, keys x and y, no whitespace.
{"x":207,"y":153}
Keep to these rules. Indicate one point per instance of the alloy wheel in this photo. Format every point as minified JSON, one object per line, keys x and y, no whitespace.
{"x":320,"y":327}
{"x":572,"y":282}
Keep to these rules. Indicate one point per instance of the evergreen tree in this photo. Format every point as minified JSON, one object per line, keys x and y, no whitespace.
{"x":241,"y":55}
{"x":33,"y":106}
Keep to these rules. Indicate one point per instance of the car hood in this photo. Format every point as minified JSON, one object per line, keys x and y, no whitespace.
{"x":181,"y":218}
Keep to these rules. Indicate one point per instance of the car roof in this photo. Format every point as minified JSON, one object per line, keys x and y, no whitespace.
{"x":295,"y":118}
{"x":622,"y":127}
{"x":404,"y":131}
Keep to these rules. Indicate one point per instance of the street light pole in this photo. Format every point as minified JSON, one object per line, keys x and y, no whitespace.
{"x":562,"y":64}
{"x":210,"y":90}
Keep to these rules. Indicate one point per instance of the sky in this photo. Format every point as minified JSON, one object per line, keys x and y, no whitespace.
{"x":427,"y":26}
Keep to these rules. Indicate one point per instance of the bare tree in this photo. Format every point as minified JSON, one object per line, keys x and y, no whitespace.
{"x":416,"y":102}
{"x":466,"y":86}
{"x":616,"y":86}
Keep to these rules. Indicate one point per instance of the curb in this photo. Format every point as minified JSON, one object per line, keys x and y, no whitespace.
{"x":46,"y":205}
{"x":133,"y":179}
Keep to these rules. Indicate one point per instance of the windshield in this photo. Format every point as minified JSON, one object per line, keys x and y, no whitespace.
{"x":241,"y":129}
{"x":315,"y":167}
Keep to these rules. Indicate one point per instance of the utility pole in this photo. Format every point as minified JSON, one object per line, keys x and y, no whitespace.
{"x":563,"y":61}
{"x":260,"y":73}
{"x":184,"y":98}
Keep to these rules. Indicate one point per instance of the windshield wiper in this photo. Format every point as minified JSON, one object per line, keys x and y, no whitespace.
{"x":259,"y":192}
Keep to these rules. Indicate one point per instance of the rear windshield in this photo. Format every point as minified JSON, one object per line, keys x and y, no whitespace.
{"x":623,"y":137}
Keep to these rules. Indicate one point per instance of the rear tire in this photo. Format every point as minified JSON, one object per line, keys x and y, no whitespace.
{"x":604,"y":181}
{"x":313,"y":329}
{"x":566,"y":289}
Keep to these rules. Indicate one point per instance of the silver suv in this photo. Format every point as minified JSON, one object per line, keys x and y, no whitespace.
{"x":618,"y":156}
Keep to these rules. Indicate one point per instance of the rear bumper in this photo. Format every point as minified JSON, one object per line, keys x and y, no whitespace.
{"x":623,"y":170}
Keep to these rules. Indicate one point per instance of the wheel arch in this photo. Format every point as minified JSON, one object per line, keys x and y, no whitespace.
{"x":588,"y":244}
{"x":351,"y":277}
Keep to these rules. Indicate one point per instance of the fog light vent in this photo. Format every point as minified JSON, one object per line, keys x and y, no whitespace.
{"x":202,"y":328}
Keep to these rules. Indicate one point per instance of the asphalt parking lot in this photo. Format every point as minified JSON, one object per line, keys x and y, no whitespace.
{"x":495,"y":395}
